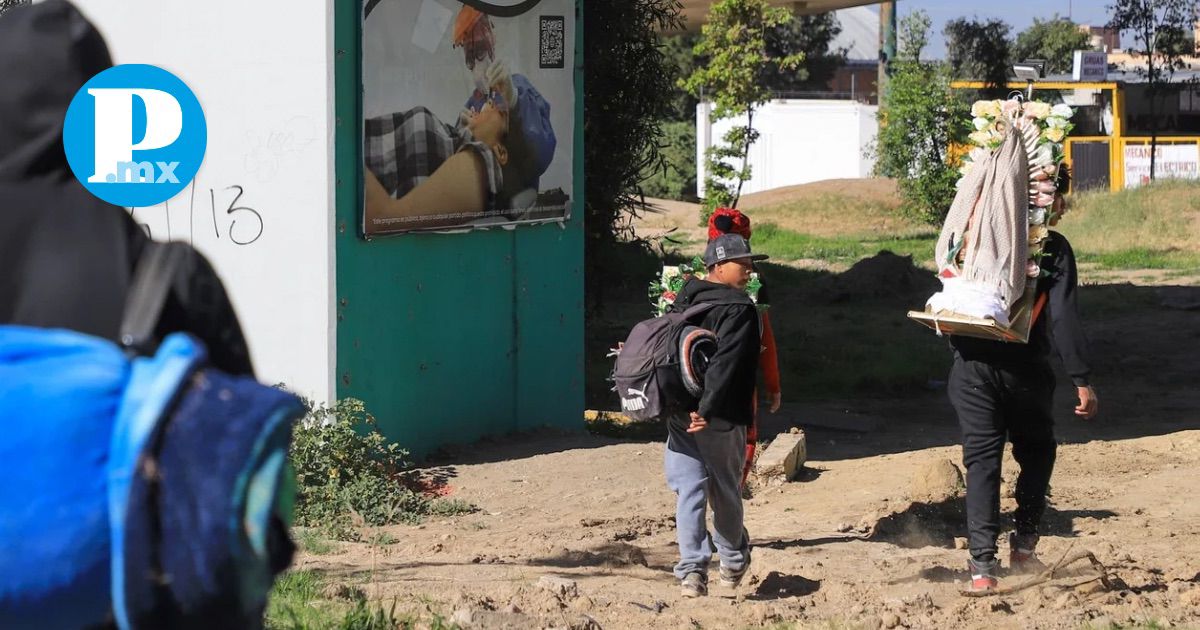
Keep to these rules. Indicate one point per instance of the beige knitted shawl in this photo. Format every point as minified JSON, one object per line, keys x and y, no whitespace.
{"x":996,"y":191}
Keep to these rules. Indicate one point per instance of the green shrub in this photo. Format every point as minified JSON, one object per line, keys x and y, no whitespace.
{"x":676,"y":177}
{"x":349,"y":475}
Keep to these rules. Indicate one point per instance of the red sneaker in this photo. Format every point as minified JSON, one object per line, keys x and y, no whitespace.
{"x":1022,"y":554}
{"x":983,"y":575}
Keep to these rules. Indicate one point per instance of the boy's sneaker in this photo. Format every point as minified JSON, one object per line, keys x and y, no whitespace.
{"x":731,"y":578}
{"x":1022,"y":554}
{"x":694,"y":585}
{"x":983,"y":575}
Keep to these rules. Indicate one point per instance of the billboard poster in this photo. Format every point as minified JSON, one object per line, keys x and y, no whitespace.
{"x":1171,"y":161}
{"x":468,"y":113}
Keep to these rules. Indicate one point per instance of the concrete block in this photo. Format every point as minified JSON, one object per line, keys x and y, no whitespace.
{"x":783,"y":459}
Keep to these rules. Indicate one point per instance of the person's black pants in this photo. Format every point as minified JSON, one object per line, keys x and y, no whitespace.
{"x":996,"y":404}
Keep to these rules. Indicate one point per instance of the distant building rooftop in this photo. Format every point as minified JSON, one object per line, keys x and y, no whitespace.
{"x":860,"y":34}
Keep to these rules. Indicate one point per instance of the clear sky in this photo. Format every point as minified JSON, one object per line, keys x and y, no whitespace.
{"x":1018,"y":13}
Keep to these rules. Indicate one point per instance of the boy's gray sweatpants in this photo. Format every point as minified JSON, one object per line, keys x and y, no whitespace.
{"x":703,"y":469}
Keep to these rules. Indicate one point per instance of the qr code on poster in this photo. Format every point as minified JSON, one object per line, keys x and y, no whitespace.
{"x":553,"y":48}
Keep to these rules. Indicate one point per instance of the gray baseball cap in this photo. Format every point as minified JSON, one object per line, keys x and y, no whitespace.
{"x":729,"y":247}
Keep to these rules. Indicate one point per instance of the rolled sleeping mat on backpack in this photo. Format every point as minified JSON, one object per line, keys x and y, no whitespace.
{"x":59,"y":393}
{"x":203,"y":529}
{"x":696,"y":349}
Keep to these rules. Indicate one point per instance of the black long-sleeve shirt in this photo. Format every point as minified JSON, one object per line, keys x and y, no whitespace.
{"x":733,"y":370}
{"x":1059,"y":326}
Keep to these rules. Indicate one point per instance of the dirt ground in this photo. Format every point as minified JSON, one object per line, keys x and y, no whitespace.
{"x":577,"y":530}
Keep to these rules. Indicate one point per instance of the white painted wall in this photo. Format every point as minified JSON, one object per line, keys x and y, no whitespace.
{"x":263,"y":72}
{"x":800,"y":141}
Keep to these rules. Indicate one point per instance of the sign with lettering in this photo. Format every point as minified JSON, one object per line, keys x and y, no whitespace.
{"x":1171,"y":161}
{"x":1090,"y":66}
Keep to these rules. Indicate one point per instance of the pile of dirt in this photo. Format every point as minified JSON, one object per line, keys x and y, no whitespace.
{"x":938,"y":481}
{"x":884,"y":276}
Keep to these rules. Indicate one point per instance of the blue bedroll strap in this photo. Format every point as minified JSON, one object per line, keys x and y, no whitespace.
{"x":152,"y":388}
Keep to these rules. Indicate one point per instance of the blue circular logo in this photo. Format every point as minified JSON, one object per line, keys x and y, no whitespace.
{"x":135,"y":135}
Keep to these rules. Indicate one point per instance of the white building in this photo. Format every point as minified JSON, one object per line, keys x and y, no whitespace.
{"x":800,"y":141}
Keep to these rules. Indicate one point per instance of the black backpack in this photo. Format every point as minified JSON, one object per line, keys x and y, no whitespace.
{"x":660,"y":367}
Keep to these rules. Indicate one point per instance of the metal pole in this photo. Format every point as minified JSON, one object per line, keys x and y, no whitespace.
{"x":887,"y":45}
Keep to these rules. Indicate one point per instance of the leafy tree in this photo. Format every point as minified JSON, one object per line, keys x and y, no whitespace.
{"x":676,"y":179}
{"x":734,"y":43}
{"x":681,"y":55}
{"x":1054,"y":40}
{"x":1157,"y":27}
{"x":978,"y":50}
{"x":629,"y":82}
{"x":919,"y":123}
{"x":810,"y":36}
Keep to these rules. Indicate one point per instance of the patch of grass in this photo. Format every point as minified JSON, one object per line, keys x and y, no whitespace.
{"x":1143,"y":258}
{"x":1153,"y":227}
{"x":450,"y":507}
{"x":311,"y":541}
{"x":382,"y":539}
{"x":297,"y":603}
{"x":785,"y":244}
{"x":869,"y":208}
{"x":294,"y":602}
{"x":1141,"y":625}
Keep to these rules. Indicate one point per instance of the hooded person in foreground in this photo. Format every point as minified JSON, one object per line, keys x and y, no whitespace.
{"x":68,"y":258}
{"x":148,"y":483}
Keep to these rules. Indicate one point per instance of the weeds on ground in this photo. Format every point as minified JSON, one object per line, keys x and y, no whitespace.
{"x":350,"y":476}
{"x":1147,"y":625}
{"x":298,"y":603}
{"x":311,"y":541}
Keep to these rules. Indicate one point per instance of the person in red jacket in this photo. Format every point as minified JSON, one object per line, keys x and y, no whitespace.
{"x":733,"y":221}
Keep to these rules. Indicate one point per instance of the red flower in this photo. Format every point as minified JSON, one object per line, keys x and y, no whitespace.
{"x":669,"y":296}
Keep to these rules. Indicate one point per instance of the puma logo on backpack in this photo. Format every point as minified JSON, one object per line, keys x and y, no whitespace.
{"x":659,"y":368}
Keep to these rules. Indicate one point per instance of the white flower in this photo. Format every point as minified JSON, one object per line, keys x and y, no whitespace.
{"x":1062,"y":110}
{"x":980,"y":138}
{"x":986,"y":109}
{"x":1055,"y":134}
{"x":981,"y":123}
{"x":1037,"y":110}
{"x":1037,"y":216}
{"x":1055,"y":122}
{"x":667,"y":274}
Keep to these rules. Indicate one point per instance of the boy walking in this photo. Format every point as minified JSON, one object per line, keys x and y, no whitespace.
{"x":706,"y":449}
